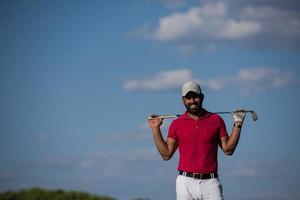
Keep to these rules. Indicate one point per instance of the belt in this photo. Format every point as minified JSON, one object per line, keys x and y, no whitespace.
{"x":199,"y":175}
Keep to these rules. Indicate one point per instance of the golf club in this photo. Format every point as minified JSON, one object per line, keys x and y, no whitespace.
{"x":253,"y":114}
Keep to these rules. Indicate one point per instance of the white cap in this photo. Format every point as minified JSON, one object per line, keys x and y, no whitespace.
{"x":190,"y":87}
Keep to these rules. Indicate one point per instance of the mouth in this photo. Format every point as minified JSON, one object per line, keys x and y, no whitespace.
{"x":193,"y":106}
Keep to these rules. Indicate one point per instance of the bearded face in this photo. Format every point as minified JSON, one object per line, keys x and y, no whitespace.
{"x":193,"y":102}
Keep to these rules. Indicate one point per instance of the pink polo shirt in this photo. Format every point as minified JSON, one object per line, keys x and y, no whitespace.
{"x":198,"y":141}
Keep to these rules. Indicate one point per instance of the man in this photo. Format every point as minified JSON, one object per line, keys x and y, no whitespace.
{"x":197,"y":134}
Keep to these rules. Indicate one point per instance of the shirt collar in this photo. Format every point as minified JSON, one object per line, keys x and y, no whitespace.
{"x":205,"y":114}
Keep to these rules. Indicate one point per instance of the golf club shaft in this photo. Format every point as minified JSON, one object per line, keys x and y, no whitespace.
{"x":254,"y":115}
{"x":229,"y":112}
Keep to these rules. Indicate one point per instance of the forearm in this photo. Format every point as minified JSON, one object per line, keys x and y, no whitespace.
{"x":161,"y":144}
{"x":233,"y":140}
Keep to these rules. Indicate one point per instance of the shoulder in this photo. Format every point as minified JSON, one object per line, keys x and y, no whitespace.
{"x":215,"y":117}
{"x":179,"y":120}
{"x":182,"y":117}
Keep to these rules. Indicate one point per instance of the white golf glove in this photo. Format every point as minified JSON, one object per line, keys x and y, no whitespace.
{"x":238,"y":116}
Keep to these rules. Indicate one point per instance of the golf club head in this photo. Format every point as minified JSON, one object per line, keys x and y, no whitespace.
{"x":254,"y":115}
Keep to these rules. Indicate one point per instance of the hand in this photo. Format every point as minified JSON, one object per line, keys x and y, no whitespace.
{"x":155,"y":122}
{"x":238,"y":115}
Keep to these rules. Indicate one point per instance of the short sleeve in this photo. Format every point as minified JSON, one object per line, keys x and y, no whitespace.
{"x":172,"y":131}
{"x":222,"y":129}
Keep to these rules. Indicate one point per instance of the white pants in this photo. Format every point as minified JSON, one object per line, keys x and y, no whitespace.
{"x":192,"y":189}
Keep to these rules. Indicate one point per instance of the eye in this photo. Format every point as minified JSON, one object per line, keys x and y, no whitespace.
{"x":192,"y":95}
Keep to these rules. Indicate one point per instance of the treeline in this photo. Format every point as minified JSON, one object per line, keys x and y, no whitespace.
{"x":43,"y":194}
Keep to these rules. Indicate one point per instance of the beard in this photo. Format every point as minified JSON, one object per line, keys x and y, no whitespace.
{"x":194,"y":108}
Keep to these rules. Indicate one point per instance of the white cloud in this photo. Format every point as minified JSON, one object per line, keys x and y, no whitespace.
{"x":248,"y":80}
{"x":162,"y":81}
{"x":209,"y":21}
{"x":261,"y":79}
{"x":230,"y":22}
{"x":238,"y":29}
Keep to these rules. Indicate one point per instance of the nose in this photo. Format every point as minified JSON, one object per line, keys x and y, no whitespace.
{"x":192,"y":99}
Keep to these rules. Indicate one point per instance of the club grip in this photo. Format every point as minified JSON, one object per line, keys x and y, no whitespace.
{"x":162,"y":116}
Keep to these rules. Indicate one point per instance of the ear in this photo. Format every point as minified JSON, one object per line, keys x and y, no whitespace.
{"x":202,"y":97}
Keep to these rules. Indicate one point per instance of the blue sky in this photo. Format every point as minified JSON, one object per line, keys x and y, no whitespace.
{"x":79,"y":79}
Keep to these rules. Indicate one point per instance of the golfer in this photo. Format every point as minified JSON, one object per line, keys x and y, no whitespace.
{"x":197,"y":134}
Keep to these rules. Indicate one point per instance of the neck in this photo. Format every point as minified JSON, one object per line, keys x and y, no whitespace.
{"x":196,"y":115}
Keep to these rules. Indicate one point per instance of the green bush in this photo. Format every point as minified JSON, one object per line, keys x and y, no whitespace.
{"x":43,"y":194}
